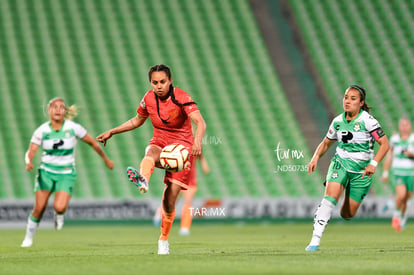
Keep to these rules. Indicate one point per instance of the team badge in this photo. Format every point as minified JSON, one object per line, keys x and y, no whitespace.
{"x":142,"y":104}
{"x":67,"y":134}
{"x":334,"y":175}
{"x":357,"y":127}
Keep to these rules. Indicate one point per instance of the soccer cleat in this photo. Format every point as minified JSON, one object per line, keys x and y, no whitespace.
{"x":136,"y":178}
{"x":184,"y":232}
{"x":311,"y":248}
{"x":59,"y":221}
{"x":396,"y":224}
{"x":163,"y":247}
{"x":27,"y":243}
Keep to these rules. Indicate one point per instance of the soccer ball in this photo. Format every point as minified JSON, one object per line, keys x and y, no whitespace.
{"x":174,"y":157}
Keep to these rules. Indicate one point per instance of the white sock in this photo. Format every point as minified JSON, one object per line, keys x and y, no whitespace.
{"x":403,"y":219}
{"x":31,"y":229}
{"x":397,"y":213}
{"x":322,"y":217}
{"x":59,"y":220}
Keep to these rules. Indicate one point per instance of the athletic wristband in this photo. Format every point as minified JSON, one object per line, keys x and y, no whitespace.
{"x":385,"y":174}
{"x":373,"y":163}
{"x":26,"y":158}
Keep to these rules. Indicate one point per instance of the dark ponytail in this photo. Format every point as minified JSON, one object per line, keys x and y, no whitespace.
{"x":167,"y":71}
{"x":363,"y":94}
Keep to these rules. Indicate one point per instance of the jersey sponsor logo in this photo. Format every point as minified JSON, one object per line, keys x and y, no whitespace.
{"x":346,"y":136}
{"x":57,"y":143}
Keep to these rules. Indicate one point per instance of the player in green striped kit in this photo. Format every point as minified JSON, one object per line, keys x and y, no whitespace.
{"x":354,"y":163}
{"x":57,"y":173}
{"x":401,"y":157}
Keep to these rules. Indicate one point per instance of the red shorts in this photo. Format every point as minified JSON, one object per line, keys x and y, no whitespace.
{"x":182,"y":178}
{"x":192,"y":181}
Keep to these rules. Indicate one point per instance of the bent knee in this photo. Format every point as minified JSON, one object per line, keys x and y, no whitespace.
{"x":169,"y":208}
{"x":347,"y":215}
{"x":168,"y":205}
{"x":60,"y":208}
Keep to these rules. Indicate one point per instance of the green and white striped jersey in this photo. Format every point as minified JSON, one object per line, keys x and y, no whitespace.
{"x":58,"y":146}
{"x":401,"y":164}
{"x":355,"y":142}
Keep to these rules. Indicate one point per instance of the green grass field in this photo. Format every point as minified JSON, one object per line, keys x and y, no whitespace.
{"x":347,"y":248}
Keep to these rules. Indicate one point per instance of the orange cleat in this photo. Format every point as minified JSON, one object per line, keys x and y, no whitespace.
{"x":396,"y":224}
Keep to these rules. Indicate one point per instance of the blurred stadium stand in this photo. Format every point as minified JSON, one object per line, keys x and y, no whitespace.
{"x":96,"y":55}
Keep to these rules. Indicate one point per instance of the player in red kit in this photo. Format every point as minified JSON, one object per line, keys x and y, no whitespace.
{"x":171,"y":111}
{"x":188,"y":197}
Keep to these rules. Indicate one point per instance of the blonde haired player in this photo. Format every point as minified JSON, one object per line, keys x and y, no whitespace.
{"x":57,"y":173}
{"x":171,"y":111}
{"x":354,"y":163}
{"x":401,"y":158}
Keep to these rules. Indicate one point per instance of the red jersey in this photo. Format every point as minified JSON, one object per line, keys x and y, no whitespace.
{"x":178,"y":129}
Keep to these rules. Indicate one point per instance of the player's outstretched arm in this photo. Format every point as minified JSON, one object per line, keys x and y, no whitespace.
{"x":131,"y":124}
{"x":28,"y":157}
{"x":319,"y":152}
{"x":95,"y":145}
